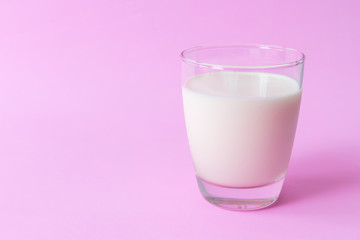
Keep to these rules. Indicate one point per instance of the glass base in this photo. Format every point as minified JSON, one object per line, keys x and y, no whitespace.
{"x":240,"y":199}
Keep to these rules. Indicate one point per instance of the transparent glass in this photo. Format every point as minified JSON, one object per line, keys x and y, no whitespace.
{"x":241,"y":106}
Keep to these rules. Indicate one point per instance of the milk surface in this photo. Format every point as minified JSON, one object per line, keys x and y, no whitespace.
{"x":241,"y":126}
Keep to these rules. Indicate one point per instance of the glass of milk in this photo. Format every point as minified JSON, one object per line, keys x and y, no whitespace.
{"x":241,"y":106}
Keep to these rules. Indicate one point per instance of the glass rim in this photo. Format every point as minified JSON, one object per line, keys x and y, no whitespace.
{"x":186,"y":59}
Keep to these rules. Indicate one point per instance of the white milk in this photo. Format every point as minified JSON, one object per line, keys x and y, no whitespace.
{"x":241,"y":126}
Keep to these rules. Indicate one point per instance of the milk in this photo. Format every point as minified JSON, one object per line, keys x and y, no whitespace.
{"x":241,"y":126}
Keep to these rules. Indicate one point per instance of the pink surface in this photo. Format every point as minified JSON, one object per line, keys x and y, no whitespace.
{"x":93,"y":142}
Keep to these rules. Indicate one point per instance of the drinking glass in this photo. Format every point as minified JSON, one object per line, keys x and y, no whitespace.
{"x":241,"y":106}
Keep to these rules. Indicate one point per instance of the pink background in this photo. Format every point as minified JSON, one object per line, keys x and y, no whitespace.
{"x":92,"y":136}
